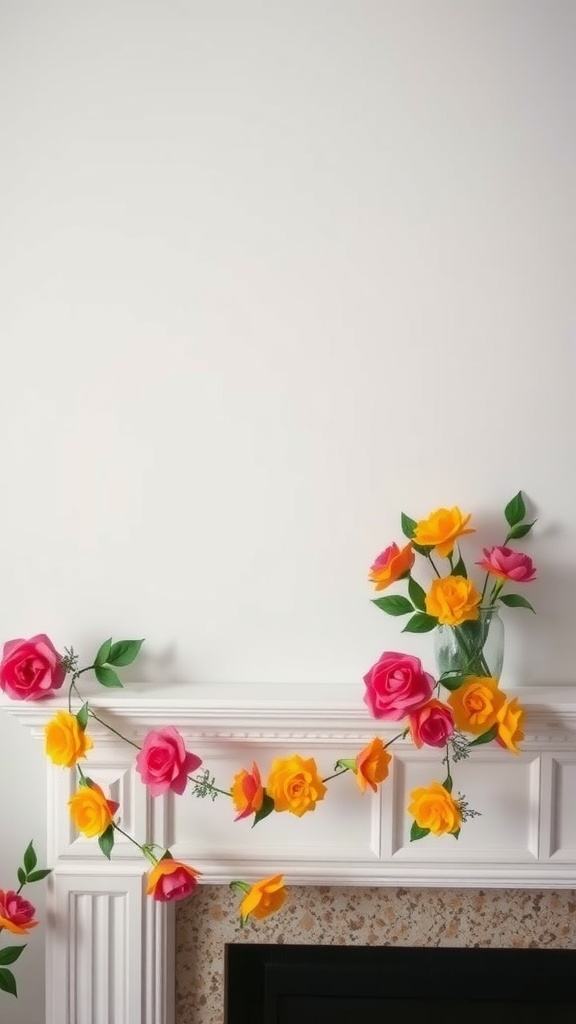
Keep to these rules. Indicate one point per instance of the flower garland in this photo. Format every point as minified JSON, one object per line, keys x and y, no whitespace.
{"x":397,"y":689}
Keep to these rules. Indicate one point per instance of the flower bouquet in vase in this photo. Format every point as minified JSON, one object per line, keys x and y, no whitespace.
{"x":469,"y":630}
{"x":464,"y":706}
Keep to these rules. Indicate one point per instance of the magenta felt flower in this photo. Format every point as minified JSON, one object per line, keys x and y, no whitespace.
{"x":164,"y":762}
{"x":16,"y":913}
{"x":397,"y":685}
{"x":31,"y":669}
{"x":507,"y":564}
{"x":431,"y":725}
{"x":171,"y":880}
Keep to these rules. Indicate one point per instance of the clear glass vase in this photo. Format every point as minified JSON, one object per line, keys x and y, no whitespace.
{"x":474,"y":648}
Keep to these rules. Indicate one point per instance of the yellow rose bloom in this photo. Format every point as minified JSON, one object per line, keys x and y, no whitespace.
{"x":453,"y":600}
{"x":433,"y":807}
{"x":264,"y":898}
{"x":295,"y":785}
{"x":90,"y":811}
{"x":510,"y":719}
{"x":441,"y":530}
{"x":476,"y":704}
{"x":65,"y":741}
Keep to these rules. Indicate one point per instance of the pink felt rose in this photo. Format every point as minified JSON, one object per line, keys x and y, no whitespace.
{"x":397,"y":685}
{"x":508,"y":564}
{"x":16,"y":913}
{"x":164,"y":762}
{"x":31,"y":669}
{"x":170,"y":880}
{"x":431,"y":725}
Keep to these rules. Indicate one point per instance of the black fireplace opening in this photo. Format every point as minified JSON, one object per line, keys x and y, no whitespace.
{"x":299,"y":984}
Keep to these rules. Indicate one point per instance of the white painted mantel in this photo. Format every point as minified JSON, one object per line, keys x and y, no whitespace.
{"x":110,"y":950}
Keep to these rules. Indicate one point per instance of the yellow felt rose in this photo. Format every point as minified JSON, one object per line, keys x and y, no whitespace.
{"x":65,"y":741}
{"x":442,"y":529}
{"x":476,"y":704}
{"x":90,"y":811}
{"x":510,"y":719}
{"x":295,"y":785}
{"x":453,"y":600}
{"x":434,"y":808}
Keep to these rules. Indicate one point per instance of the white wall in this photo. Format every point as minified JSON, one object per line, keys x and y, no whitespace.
{"x":270,"y":273}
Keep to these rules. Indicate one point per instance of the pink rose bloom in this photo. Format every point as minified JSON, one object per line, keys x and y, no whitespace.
{"x":171,"y":880}
{"x":31,"y":669}
{"x":16,"y":913}
{"x":397,"y":685}
{"x":164,"y":762}
{"x":432,"y":724}
{"x":508,"y":564}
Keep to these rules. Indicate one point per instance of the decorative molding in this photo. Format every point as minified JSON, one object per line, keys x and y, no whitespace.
{"x":106,"y":938}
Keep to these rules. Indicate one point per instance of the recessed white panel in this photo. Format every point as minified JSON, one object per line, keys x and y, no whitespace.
{"x":340,"y":827}
{"x":563,"y":818}
{"x":504,"y":790}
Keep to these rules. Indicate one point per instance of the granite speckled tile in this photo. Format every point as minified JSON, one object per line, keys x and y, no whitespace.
{"x":360,"y":916}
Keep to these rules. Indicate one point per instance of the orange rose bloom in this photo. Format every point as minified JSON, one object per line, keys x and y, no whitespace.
{"x":90,"y":811}
{"x":247,"y":792}
{"x":453,"y":600}
{"x":264,"y":898}
{"x":433,"y":807}
{"x":390,"y":565}
{"x":476,"y":704}
{"x":65,"y":741}
{"x":295,"y":785}
{"x":372,"y":765}
{"x":510,"y":719}
{"x":441,"y":530}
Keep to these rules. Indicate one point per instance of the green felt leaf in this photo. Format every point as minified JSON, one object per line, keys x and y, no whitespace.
{"x":394,"y":604}
{"x":124,"y":652}
{"x":420,"y":623}
{"x":418,"y":833}
{"x":107,"y":677}
{"x":515,"y":510}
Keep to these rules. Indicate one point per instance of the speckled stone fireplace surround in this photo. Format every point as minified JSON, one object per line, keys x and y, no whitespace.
{"x":361,"y":916}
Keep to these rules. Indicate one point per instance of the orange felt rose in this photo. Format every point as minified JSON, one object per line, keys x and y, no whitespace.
{"x":390,"y":565}
{"x":434,"y":808}
{"x":90,"y":811}
{"x":372,"y":765}
{"x":264,"y":898}
{"x":65,"y":741}
{"x":510,"y":719}
{"x":247,"y":792}
{"x":170,"y":880}
{"x":295,"y":785}
{"x":476,"y":704}
{"x":453,"y":600}
{"x":441,"y":530}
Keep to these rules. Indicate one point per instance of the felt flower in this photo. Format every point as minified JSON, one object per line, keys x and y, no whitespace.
{"x":442,"y":529}
{"x":396,"y":685}
{"x":390,"y":565}
{"x":164,"y":763}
